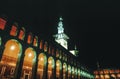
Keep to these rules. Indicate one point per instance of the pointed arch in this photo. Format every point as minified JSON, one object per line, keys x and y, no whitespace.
{"x":57,"y":53}
{"x":35,"y":41}
{"x":41,"y":44}
{"x":42,"y":60}
{"x":30,"y":38}
{"x":45,"y":46}
{"x":11,"y":55}
{"x":51,"y":65}
{"x":64,"y":70}
{"x":29,"y":59}
{"x":58,"y":69}
{"x":78,"y":73}
{"x":69,"y":72}
{"x":73,"y":72}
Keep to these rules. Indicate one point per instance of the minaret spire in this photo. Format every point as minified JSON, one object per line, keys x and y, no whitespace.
{"x":74,"y":51}
{"x":61,"y":37}
{"x":60,"y":26}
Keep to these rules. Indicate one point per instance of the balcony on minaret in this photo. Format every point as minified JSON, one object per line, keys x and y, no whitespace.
{"x":61,"y":37}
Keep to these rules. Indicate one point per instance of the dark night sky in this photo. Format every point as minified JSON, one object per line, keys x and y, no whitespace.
{"x":88,"y":23}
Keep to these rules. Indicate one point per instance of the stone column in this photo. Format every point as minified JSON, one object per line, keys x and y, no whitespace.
{"x":34,"y":68}
{"x":19,"y":65}
{"x":1,"y":51}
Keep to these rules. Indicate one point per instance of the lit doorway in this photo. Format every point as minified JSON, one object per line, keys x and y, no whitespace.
{"x":64,"y":70}
{"x":78,"y":73}
{"x":58,"y":69}
{"x":50,"y":67}
{"x":29,"y":60}
{"x":69,"y":72}
{"x":10,"y":57}
{"x":41,"y":66}
{"x":73,"y":73}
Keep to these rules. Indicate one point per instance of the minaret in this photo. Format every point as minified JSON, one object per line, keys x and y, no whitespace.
{"x":61,"y":37}
{"x":75,"y":51}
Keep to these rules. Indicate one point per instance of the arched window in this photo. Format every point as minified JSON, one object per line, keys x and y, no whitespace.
{"x":60,"y":54}
{"x":102,"y":77}
{"x":53,"y":50}
{"x":29,"y":40}
{"x":35,"y":41}
{"x":2,"y":24}
{"x":57,"y":53}
{"x":66,"y":57}
{"x":51,"y":65}
{"x":113,"y":75}
{"x":73,"y":72}
{"x":49,"y":49}
{"x":41,"y":66}
{"x":10,"y":57}
{"x":95,"y":72}
{"x":41,"y":44}
{"x":28,"y":63}
{"x":97,"y":77}
{"x":118,"y":75}
{"x":22,"y":34}
{"x":64,"y":71}
{"x":13,"y":30}
{"x":78,"y":73}
{"x":45,"y":46}
{"x":69,"y":72}
{"x":58,"y":69}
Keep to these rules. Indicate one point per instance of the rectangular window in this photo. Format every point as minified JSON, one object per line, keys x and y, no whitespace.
{"x":45,"y":46}
{"x":52,"y":51}
{"x":49,"y":50}
{"x":21,"y":35}
{"x":35,"y":43}
{"x":41,"y":44}
{"x":57,"y":53}
{"x":2,"y":24}
{"x":13,"y":31}
{"x":29,"y":39}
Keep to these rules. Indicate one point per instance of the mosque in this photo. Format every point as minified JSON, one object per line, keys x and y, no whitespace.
{"x":24,"y":55}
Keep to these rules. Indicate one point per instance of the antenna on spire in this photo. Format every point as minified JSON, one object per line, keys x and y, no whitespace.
{"x":76,"y":51}
{"x":75,"y":47}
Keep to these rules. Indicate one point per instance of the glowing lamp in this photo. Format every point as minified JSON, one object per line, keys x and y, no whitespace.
{"x":12,"y":47}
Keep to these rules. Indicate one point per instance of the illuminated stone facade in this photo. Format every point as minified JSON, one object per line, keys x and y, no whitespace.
{"x":24,"y":55}
{"x":107,"y":74}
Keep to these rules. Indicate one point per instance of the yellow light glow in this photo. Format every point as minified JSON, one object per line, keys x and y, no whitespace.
{"x":68,"y":68}
{"x":41,"y":59}
{"x":50,"y":62}
{"x":63,"y":66}
{"x":12,"y":47}
{"x":30,"y":55}
{"x":107,"y":76}
{"x":118,"y":75}
{"x":27,"y":67}
{"x":57,"y":64}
